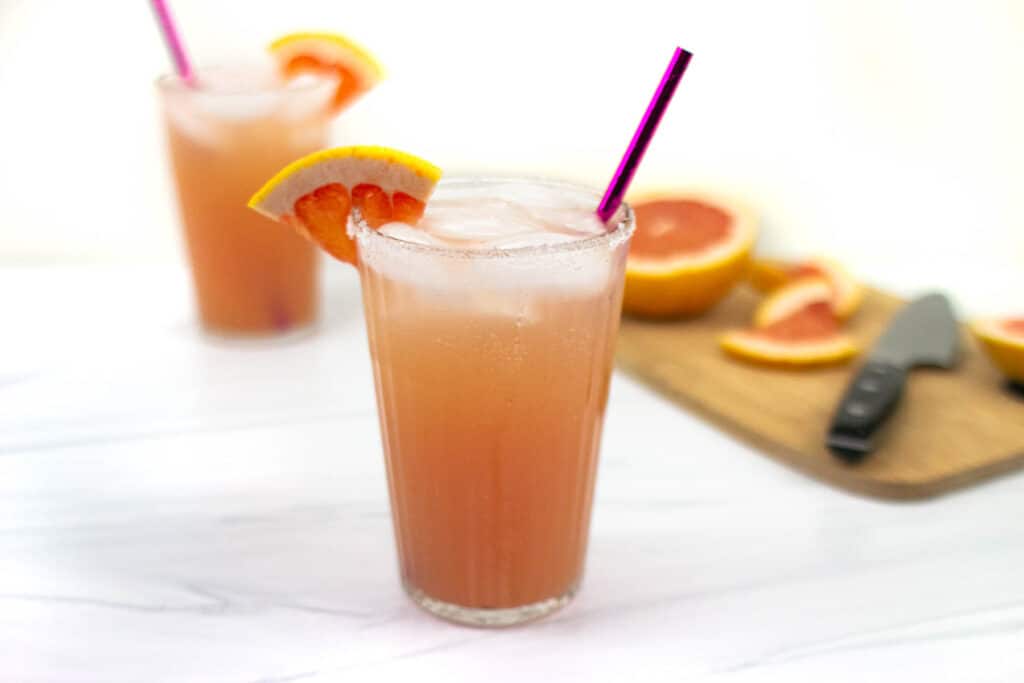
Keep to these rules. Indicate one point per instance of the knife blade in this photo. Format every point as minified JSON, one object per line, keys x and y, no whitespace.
{"x":923,"y":334}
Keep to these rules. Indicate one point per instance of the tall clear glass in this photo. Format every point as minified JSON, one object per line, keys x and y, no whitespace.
{"x":492,"y":372}
{"x":238,"y":127}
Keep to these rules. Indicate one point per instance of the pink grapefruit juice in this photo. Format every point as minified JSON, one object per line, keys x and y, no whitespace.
{"x":491,"y":327}
{"x":251,"y":276}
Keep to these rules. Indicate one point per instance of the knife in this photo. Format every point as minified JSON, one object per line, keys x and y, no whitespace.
{"x":924,"y":333}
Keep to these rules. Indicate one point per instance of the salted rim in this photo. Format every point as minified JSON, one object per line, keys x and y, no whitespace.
{"x":173,"y":83}
{"x":623,"y":219}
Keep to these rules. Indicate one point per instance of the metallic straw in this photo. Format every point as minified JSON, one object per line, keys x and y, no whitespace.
{"x":173,"y":40}
{"x":642,"y":137}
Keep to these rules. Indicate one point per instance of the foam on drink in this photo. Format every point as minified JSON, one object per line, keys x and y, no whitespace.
{"x":495,"y":235}
{"x":507,"y":215}
{"x":229,"y":99}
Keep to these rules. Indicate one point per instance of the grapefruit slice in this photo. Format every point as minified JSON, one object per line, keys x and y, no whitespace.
{"x":315,"y":194}
{"x":808,"y":293}
{"x":687,"y":253}
{"x":796,"y":327}
{"x":1003,"y":341}
{"x":332,"y":55}
{"x":767,"y":275}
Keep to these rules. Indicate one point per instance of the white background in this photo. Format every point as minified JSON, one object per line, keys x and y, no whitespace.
{"x":886,"y":133}
{"x":177,"y":510}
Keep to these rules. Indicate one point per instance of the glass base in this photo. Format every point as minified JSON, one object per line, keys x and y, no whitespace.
{"x":488,"y":618}
{"x":257,"y":339}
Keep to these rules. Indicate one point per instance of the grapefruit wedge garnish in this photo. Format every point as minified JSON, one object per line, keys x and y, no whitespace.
{"x":1003,"y":341}
{"x":796,"y":326}
{"x":315,"y":194}
{"x":687,"y":253}
{"x":767,"y":275}
{"x":328,"y":54}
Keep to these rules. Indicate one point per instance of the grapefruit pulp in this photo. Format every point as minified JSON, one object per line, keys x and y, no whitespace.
{"x":687,"y":253}
{"x":795,"y":327}
{"x":329,"y":54}
{"x":1003,"y":341}
{"x":767,"y":275}
{"x":315,"y":194}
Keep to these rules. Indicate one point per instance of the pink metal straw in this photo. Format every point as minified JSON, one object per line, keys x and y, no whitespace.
{"x":173,"y":40}
{"x":642,"y":137}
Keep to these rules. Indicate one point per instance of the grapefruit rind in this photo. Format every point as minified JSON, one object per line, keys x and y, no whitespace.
{"x":783,"y":314}
{"x":849,"y":293}
{"x":327,"y":46}
{"x":691,"y":284}
{"x":792,"y":298}
{"x":1004,"y":349}
{"x":391,"y":170}
{"x":749,"y":345}
{"x":767,"y":275}
{"x":315,"y":195}
{"x":331,"y":53}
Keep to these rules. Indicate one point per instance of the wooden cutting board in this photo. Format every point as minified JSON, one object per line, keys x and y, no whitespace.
{"x":951,"y":429}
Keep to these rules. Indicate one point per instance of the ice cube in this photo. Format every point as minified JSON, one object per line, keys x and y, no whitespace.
{"x":239,"y":93}
{"x":238,"y":106}
{"x":481,"y":218}
{"x":308,"y":96}
{"x":481,"y":221}
{"x":224,"y":96}
{"x":477,"y":221}
{"x":199,"y":129}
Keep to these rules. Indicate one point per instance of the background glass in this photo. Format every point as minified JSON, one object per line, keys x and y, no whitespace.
{"x":252,"y":276}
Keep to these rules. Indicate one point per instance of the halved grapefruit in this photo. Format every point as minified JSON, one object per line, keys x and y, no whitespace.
{"x":332,"y":55}
{"x":796,"y":326}
{"x":315,"y":194}
{"x":1003,"y":341}
{"x":687,"y":253}
{"x":767,"y":275}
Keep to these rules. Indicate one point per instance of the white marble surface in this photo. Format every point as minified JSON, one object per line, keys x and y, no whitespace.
{"x":176,"y":510}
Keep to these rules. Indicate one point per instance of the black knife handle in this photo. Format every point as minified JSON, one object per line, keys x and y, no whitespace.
{"x":869,"y":400}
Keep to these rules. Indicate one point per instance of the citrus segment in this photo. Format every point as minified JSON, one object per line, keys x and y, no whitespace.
{"x":316,"y":194}
{"x":1003,"y":341}
{"x":356,"y":70}
{"x":317,"y":216}
{"x":767,"y":275}
{"x":795,"y":326}
{"x":406,"y":209}
{"x":814,"y":321}
{"x":686,"y":254}
{"x":373,"y":203}
{"x":814,"y":293}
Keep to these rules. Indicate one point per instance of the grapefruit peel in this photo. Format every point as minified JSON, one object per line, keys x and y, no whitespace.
{"x":329,"y":54}
{"x":768,"y":275}
{"x":1003,"y":341}
{"x":316,"y":193}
